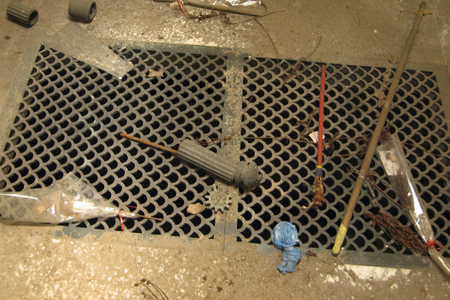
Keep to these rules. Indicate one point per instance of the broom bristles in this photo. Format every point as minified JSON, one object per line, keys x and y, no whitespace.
{"x":318,"y":191}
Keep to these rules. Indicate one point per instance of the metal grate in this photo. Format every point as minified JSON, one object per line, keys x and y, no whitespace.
{"x":71,"y":116}
{"x":278,"y":110}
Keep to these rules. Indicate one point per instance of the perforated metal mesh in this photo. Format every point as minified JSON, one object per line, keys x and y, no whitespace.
{"x":280,"y":113}
{"x":71,"y":118}
{"x":72,"y":114}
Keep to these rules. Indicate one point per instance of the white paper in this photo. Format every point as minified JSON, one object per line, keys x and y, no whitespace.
{"x":315,"y":136}
{"x":389,"y":162}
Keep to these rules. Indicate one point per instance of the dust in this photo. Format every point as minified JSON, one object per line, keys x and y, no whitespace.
{"x":167,"y":25}
{"x":38,"y":264}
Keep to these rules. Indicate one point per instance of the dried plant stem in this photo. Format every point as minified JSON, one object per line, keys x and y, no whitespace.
{"x":308,"y":121}
{"x":278,"y":138}
{"x":147,"y":284}
{"x":257,"y":17}
{"x":297,"y":66}
{"x":230,"y":136}
{"x":370,"y":179}
{"x":403,"y":235}
{"x":150,"y":218}
{"x":154,"y":145}
{"x":420,"y":148}
{"x":270,"y":38}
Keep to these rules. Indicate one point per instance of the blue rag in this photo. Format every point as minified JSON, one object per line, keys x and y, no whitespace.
{"x":284,"y":238}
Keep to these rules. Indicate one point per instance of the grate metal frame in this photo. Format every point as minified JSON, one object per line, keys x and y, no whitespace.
{"x":68,"y":116}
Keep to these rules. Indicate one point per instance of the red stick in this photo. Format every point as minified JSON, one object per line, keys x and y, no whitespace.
{"x":182,"y":9}
{"x":322,"y":101}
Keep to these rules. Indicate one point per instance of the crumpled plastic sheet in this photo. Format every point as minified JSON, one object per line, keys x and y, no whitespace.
{"x":247,"y":7}
{"x":284,"y":238}
{"x":67,"y":200}
{"x":391,"y":155}
{"x":74,"y":41}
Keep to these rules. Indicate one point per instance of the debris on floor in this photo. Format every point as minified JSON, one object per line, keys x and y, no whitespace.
{"x":73,"y":40}
{"x":246,"y":7}
{"x":218,"y":199}
{"x":72,"y":110}
{"x":22,"y":14}
{"x":403,"y":235}
{"x":155,"y":73}
{"x":243,"y":174}
{"x":196,"y":208}
{"x":403,"y":184}
{"x":284,"y":238}
{"x":68,"y":200}
{"x":82,"y":10}
{"x":152,"y":291}
{"x":346,"y":219}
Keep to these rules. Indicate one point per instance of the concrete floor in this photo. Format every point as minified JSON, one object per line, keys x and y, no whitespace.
{"x":36,"y":261}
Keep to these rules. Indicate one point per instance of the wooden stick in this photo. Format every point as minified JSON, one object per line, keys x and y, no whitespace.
{"x":376,"y":134}
{"x":154,"y":145}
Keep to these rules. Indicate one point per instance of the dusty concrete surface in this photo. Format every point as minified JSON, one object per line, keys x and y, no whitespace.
{"x":39,"y":264}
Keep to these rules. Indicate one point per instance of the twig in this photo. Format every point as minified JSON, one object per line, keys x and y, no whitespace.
{"x":307,"y":207}
{"x":150,"y":218}
{"x":257,"y":17}
{"x":278,"y":138}
{"x":270,"y":38}
{"x":402,"y":235}
{"x":264,"y":29}
{"x":160,"y":147}
{"x":308,"y":120}
{"x":366,"y":138}
{"x":303,"y":139}
{"x":370,"y":179}
{"x":147,"y":283}
{"x":230,"y":136}
{"x":297,"y":67}
{"x":418,"y":147}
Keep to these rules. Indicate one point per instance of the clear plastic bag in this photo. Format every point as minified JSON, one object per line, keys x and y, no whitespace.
{"x":391,"y":155}
{"x":68,"y":200}
{"x":247,"y":7}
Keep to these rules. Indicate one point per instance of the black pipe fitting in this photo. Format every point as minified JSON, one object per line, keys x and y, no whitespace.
{"x":82,"y":10}
{"x":21,"y":13}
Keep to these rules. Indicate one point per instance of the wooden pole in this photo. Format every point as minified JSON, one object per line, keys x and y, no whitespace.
{"x":377,"y":132}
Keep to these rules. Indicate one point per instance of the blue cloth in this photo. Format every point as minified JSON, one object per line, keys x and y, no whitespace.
{"x":284,"y":238}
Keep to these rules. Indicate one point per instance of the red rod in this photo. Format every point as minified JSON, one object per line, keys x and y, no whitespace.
{"x":322,"y":101}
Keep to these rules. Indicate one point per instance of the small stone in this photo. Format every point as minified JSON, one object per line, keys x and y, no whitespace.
{"x":393,"y":59}
{"x":195,"y":208}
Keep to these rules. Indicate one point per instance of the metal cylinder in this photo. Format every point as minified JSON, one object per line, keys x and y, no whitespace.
{"x":82,"y":10}
{"x":22,"y":13}
{"x":247,"y":175}
{"x":243,"y":174}
{"x":211,"y":162}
